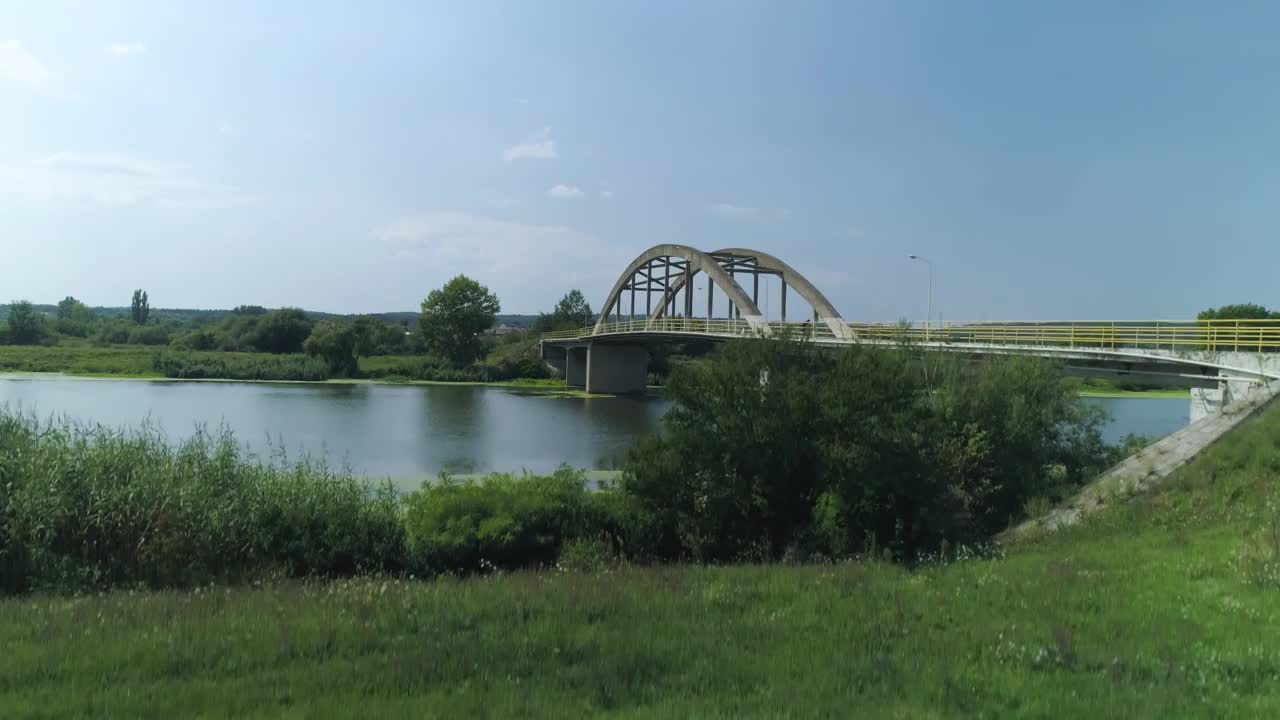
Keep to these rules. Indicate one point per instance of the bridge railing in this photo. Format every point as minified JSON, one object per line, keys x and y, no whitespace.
{"x":1217,"y":335}
{"x":696,"y":326}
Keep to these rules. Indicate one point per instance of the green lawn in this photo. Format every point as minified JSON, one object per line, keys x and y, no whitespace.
{"x":1164,"y":606}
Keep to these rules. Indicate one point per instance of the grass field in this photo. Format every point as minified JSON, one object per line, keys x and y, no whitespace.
{"x":1164,"y":606}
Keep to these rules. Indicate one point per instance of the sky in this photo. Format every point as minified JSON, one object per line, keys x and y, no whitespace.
{"x":1054,"y":160}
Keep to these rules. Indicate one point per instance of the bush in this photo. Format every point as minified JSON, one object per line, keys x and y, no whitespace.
{"x":85,"y":508}
{"x":502,"y":521}
{"x":193,"y":366}
{"x":148,"y":335}
{"x":432,"y":369}
{"x":773,"y":446}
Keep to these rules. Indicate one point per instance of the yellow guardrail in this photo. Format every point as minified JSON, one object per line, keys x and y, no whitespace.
{"x":1220,"y":335}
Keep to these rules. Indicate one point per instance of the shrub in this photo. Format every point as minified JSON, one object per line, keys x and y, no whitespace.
{"x":502,"y":521}
{"x":149,"y":335}
{"x":193,"y":366}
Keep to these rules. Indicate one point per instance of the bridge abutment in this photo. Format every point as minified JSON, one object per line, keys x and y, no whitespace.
{"x":616,"y":369}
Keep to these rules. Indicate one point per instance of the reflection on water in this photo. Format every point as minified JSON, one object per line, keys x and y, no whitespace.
{"x":401,"y":431}
{"x":410,"y":431}
{"x":1151,"y":417}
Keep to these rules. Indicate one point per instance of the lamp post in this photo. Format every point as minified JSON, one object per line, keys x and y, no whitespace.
{"x":928,"y":321}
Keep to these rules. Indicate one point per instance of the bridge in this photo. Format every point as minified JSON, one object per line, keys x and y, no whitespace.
{"x":1218,"y":360}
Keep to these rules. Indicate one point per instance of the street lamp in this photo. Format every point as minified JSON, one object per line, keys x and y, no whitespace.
{"x":928,"y":321}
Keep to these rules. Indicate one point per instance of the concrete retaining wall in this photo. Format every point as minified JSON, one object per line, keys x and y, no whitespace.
{"x":1146,"y":469}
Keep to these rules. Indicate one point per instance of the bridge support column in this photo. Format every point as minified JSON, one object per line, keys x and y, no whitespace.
{"x":616,"y":369}
{"x":575,"y":366}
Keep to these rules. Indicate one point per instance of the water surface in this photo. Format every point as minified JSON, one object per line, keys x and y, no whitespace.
{"x":408,"y":432}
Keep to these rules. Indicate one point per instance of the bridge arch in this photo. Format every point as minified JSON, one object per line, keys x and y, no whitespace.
{"x":761,"y":261}
{"x":695,"y":261}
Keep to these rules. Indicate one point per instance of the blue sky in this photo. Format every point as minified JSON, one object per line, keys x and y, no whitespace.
{"x":1055,"y":160}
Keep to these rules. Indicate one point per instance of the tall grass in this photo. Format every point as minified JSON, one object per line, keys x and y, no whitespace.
{"x":88,"y":507}
{"x":93,"y":507}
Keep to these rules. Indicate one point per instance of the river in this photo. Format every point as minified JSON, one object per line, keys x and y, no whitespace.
{"x":407,"y":432}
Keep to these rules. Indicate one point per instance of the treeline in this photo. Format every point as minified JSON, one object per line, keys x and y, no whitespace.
{"x":452,"y":338}
{"x":772,"y":451}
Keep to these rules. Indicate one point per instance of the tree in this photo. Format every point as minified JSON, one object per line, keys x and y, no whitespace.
{"x":1244,"y":311}
{"x":574,"y":308}
{"x":454,"y":316}
{"x":26,"y":326}
{"x":140,"y":308}
{"x":370,"y":334}
{"x":573,"y":311}
{"x":74,"y":310}
{"x":771,"y":445}
{"x":335,"y":342}
{"x":282,"y":331}
{"x":74,"y":317}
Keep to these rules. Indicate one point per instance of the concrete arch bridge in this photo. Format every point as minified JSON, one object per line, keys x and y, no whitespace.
{"x":657,"y":299}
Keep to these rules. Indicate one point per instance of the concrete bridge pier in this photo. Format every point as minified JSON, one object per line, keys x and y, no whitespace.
{"x":575,"y":366}
{"x":616,"y":369}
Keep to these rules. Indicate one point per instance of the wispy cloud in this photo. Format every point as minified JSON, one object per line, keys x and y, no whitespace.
{"x":739,"y":213}
{"x":114,"y":180}
{"x":538,"y":146}
{"x":125,"y":49}
{"x":606,"y":194}
{"x":505,"y":254}
{"x":564,"y":192}
{"x":21,"y":66}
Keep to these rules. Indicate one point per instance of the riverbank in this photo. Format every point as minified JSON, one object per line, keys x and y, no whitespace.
{"x":1162,"y":606}
{"x":139,"y":362}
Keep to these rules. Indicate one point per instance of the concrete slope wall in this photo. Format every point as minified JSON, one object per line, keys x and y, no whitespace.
{"x":1146,"y":469}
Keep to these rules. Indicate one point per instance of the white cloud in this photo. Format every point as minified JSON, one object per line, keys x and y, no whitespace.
{"x":113,"y":180}
{"x":21,"y":66}
{"x":564,"y":192}
{"x":538,"y":146}
{"x":725,"y":211}
{"x":527,"y":265}
{"x":606,"y":194}
{"x":520,"y":100}
{"x":125,"y":49}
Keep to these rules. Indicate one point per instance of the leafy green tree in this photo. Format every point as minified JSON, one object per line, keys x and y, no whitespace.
{"x":454,"y":317}
{"x":370,"y":334}
{"x":282,"y":331}
{"x":74,"y":310}
{"x":26,"y":326}
{"x":73,"y":317}
{"x":573,"y":311}
{"x":249,"y":310}
{"x":140,"y":307}
{"x":772,"y":445}
{"x":1244,"y":311}
{"x":335,"y":342}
